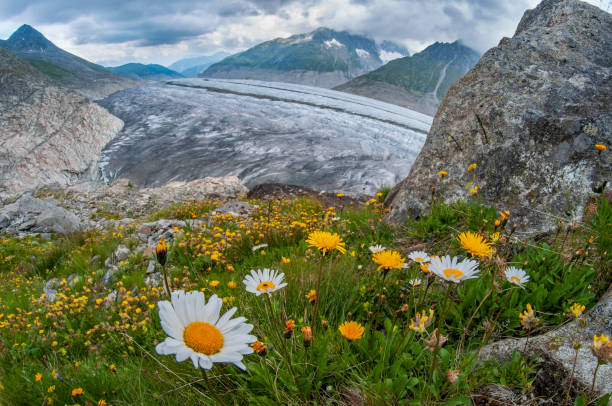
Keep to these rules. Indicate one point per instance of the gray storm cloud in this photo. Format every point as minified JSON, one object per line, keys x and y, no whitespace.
{"x":243,"y":23}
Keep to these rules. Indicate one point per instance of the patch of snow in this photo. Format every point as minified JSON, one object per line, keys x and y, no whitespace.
{"x":302,"y":39}
{"x":386,"y":56}
{"x":332,"y":43}
{"x":362,"y":53}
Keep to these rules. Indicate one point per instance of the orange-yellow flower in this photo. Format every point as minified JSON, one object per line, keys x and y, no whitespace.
{"x":388,"y":259}
{"x":600,"y":147}
{"x":442,"y":173}
{"x":161,"y":251}
{"x":77,"y":392}
{"x":528,"y":318}
{"x":471,"y":167}
{"x":259,"y":347}
{"x":307,"y":334}
{"x":38,"y":376}
{"x":475,"y":244}
{"x":325,"y":241}
{"x":351,"y":330}
{"x":289,"y":326}
{"x":312,"y":296}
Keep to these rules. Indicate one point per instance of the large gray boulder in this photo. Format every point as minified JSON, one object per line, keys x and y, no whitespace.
{"x":32,"y":215}
{"x":529,"y":115}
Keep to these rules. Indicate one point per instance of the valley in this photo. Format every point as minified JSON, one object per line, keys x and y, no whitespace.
{"x":261,"y":132}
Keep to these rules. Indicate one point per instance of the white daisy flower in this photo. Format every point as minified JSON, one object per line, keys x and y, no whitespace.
{"x":256,"y":247}
{"x":419,"y":257}
{"x":376,"y":248}
{"x":197,"y":332}
{"x":264,"y":281}
{"x":414,"y":282}
{"x":451,"y":269}
{"x":517,"y":276}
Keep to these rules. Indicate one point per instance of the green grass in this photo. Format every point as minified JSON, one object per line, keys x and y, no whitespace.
{"x":83,"y":334}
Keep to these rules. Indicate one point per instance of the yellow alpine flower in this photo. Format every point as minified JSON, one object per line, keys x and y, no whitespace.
{"x":325,"y":241}
{"x":351,"y":330}
{"x":475,"y":244}
{"x":576,"y":310}
{"x":388,"y":259}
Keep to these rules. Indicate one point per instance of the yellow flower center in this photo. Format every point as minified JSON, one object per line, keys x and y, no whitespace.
{"x":517,"y":280}
{"x":455,"y":273}
{"x":418,"y":259}
{"x":265,"y":286}
{"x":203,"y":338}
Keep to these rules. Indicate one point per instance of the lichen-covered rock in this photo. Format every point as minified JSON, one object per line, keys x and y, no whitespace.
{"x":529,"y":115}
{"x":556,"y":347}
{"x":32,"y":215}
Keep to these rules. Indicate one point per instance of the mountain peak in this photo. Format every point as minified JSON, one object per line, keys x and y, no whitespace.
{"x":27,"y":38}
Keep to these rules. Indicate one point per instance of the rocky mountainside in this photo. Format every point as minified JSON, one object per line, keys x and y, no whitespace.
{"x":418,"y":82}
{"x":324,"y":58}
{"x":64,"y":68}
{"x":139,"y":71}
{"x":50,"y":135}
{"x":195,"y":66}
{"x":529,"y":115}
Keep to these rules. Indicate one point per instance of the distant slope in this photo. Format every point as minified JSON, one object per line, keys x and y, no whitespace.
{"x":324,"y":58}
{"x":197,"y":65}
{"x":139,"y":71}
{"x":62,"y":67}
{"x":50,"y":135}
{"x":418,"y":82}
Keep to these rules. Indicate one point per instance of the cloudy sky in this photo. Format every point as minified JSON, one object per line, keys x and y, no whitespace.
{"x":113,"y":32}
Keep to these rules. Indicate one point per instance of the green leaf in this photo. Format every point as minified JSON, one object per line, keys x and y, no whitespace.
{"x":604,"y":400}
{"x":580,"y":401}
{"x":458,"y":400}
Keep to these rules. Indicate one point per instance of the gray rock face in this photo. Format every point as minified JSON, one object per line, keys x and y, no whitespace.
{"x":32,"y":215}
{"x":557,"y":347}
{"x":529,"y":115}
{"x":49,"y":135}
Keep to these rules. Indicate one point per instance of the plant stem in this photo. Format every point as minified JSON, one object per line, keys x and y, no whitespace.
{"x":569,"y":389}
{"x":209,"y":389}
{"x":444,"y":308}
{"x":465,"y":329}
{"x":316,"y":305}
{"x":527,"y":341}
{"x":595,"y":376}
{"x":492,"y":329}
{"x":167,"y":285}
{"x":380,"y":299}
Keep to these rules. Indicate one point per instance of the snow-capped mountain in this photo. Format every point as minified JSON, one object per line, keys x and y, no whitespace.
{"x":324,"y":58}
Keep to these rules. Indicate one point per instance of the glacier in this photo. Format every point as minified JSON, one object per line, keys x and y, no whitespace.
{"x":261,"y":132}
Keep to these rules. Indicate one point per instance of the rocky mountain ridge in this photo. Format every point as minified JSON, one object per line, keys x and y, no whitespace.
{"x":324,"y":58}
{"x":50,"y":135}
{"x":529,"y":115}
{"x":63,"y":68}
{"x":140,"y":71}
{"x":196,"y":65}
{"x":417,"y":82}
